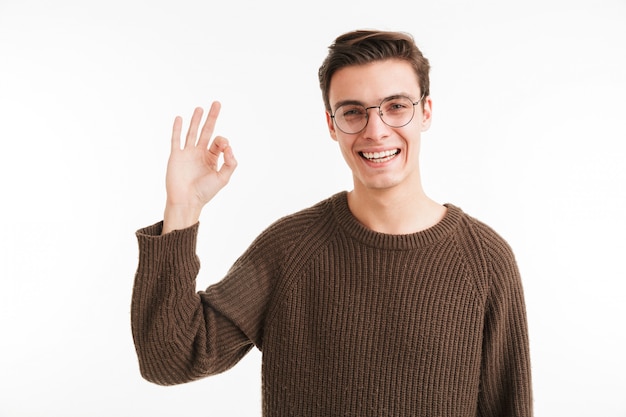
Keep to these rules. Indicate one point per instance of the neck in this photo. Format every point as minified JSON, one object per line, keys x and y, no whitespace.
{"x":395,"y":211}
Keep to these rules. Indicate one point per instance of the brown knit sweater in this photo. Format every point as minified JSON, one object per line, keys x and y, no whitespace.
{"x":350,"y":322}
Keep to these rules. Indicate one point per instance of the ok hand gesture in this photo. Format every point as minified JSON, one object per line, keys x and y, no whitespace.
{"x":193,"y":174}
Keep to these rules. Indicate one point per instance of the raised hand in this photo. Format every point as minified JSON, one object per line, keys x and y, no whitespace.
{"x":194,"y":176}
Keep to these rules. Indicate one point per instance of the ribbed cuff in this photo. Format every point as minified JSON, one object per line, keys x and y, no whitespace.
{"x":175,"y":250}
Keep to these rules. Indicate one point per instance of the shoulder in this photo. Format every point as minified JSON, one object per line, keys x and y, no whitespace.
{"x":485,"y":249}
{"x":479,"y":236}
{"x":302,"y":225}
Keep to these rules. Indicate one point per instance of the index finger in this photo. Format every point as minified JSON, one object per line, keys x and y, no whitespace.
{"x":176,"y":130}
{"x":209,"y":125}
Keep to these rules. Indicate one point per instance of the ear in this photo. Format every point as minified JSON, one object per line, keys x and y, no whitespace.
{"x":427,"y":113}
{"x":331,"y":126}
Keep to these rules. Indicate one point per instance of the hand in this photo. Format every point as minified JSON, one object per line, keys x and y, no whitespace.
{"x":193,"y":176}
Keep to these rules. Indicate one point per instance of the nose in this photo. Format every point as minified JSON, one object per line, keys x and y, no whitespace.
{"x":375,"y":127}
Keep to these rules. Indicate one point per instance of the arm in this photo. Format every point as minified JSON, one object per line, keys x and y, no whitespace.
{"x":178,"y":335}
{"x":505,"y":376}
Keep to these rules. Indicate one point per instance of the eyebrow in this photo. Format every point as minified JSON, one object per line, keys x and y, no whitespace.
{"x":352,"y":101}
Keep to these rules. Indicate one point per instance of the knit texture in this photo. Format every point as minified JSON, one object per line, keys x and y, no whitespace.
{"x":350,"y":322}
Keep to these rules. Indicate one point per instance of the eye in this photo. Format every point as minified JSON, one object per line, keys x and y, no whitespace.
{"x":351,"y":112}
{"x":396,"y":106}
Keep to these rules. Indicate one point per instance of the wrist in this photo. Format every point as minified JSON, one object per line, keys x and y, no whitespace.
{"x":177,"y":217}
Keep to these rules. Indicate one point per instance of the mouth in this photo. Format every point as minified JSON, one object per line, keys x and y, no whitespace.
{"x":380,"y":157}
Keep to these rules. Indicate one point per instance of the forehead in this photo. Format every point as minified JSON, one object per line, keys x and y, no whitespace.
{"x":373,"y":82}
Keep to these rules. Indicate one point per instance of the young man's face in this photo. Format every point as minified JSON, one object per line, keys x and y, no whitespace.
{"x":380,"y":156}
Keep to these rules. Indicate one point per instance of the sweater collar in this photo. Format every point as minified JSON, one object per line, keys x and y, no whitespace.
{"x":353,"y":227}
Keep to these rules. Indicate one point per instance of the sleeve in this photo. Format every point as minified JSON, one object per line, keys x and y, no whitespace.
{"x":178,"y":335}
{"x":505,"y":386}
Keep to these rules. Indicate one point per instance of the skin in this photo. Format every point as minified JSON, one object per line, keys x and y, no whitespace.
{"x":387,"y":197}
{"x":193,"y":175}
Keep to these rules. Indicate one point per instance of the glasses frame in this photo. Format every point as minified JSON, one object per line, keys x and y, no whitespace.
{"x":380,"y":113}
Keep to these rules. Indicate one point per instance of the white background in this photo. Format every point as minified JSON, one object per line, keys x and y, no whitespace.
{"x":528,"y":135}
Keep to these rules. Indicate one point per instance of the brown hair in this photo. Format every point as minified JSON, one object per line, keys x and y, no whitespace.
{"x":364,"y":46}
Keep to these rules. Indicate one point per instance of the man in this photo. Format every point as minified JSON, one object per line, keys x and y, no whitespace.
{"x":373,"y":302}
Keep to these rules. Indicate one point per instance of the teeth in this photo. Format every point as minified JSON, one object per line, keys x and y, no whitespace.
{"x":380,"y":156}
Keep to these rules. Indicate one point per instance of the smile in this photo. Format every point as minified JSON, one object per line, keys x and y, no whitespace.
{"x":380,"y":157}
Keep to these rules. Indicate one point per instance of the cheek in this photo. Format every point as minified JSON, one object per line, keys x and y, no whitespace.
{"x":414,"y":149}
{"x":412,"y":139}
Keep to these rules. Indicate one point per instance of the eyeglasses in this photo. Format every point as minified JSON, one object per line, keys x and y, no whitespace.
{"x":394,"y":111}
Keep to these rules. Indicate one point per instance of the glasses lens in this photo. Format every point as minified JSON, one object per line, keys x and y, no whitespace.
{"x":394,"y":112}
{"x":397,"y":111}
{"x":351,"y":118}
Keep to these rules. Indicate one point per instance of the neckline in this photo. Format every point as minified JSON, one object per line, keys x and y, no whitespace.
{"x":423,"y":238}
